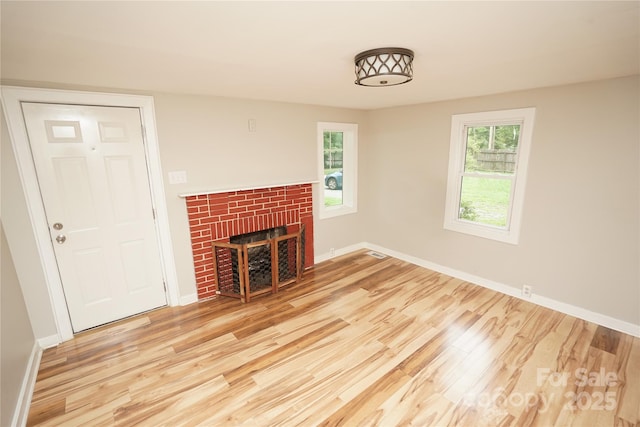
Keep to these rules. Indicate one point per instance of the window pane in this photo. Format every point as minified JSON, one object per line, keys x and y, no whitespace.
{"x":477,"y":139}
{"x":333,"y":152}
{"x":507,"y":137}
{"x":485,"y":200}
{"x":492,"y":149}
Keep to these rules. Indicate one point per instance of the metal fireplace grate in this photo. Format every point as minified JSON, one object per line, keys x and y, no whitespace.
{"x":243,"y":270}
{"x":258,"y":266}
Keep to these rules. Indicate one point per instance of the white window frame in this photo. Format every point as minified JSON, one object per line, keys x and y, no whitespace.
{"x":349,"y":169}
{"x":457,"y":151}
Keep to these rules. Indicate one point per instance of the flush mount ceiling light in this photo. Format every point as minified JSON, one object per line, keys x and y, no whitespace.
{"x":387,"y":66}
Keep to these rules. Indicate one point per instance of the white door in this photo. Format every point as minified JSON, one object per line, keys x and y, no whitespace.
{"x":92,"y":173}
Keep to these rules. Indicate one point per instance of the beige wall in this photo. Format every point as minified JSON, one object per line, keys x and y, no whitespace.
{"x":579,"y":237}
{"x":17,"y":340}
{"x":209,"y":138}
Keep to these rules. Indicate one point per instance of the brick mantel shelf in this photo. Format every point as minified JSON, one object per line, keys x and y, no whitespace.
{"x":219,"y":215}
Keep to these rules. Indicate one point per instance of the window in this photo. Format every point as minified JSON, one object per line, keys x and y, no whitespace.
{"x":338,"y":157}
{"x":488,"y":159}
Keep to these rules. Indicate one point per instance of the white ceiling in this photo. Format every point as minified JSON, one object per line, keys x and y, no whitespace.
{"x":303,"y":51}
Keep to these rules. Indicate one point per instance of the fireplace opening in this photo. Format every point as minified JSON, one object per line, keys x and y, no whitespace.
{"x":258,"y":257}
{"x":259,"y":262}
{"x":256,"y":236}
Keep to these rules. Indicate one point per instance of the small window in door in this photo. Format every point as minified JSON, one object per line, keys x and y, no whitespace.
{"x":113,"y":132}
{"x":63,"y":131}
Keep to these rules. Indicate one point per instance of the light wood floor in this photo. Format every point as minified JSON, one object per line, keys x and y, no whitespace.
{"x":360,"y":341}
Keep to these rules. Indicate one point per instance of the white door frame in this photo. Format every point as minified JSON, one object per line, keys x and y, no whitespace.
{"x":11,"y":99}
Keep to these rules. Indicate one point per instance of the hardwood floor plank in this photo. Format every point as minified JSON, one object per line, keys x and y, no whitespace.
{"x":171,"y":407}
{"x":606,"y":339}
{"x":358,"y":341}
{"x":204,"y":330}
{"x":413,"y":402}
{"x":628,"y":374}
{"x":45,"y":409}
{"x":282,"y":352}
{"x":362,"y":407}
{"x":177,"y":374}
{"x":428,"y":352}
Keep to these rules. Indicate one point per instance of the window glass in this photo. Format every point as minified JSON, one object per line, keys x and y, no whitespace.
{"x":484,"y":200}
{"x":333,"y":155}
{"x":338,"y":168}
{"x":489,"y":168}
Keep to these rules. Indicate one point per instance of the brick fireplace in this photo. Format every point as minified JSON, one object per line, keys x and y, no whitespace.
{"x":220,"y":216}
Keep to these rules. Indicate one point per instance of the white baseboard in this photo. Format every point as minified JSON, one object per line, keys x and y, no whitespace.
{"x":21,"y":412}
{"x":189,"y":299}
{"x":562,"y":307}
{"x":342,"y":251}
{"x":48,"y":342}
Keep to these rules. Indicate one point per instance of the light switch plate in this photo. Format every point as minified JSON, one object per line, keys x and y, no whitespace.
{"x":177,"y":177}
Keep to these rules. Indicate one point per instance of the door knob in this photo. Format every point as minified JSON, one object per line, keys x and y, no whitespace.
{"x":57,"y":226}
{"x":61,"y":238}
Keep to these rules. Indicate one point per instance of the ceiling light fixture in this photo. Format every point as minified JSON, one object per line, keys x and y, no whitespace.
{"x":387,"y":66}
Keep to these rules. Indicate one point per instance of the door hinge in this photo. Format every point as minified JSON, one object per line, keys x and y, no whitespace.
{"x":165,"y":286}
{"x":153,"y":212}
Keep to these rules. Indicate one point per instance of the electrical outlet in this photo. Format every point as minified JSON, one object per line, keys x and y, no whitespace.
{"x":332,"y":252}
{"x":526,"y":291}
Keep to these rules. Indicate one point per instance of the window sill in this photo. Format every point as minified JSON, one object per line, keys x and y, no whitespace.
{"x":335,"y":211}
{"x":484,"y":231}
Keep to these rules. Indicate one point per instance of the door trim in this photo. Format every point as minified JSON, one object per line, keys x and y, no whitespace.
{"x":11,"y":99}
